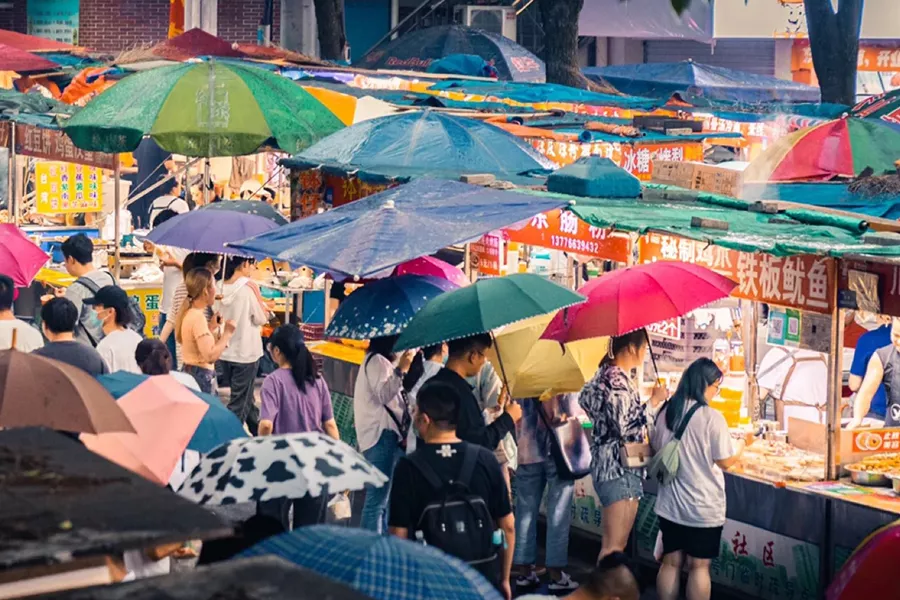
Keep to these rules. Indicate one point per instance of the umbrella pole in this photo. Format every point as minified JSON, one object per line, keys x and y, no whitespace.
{"x":500,"y":364}
{"x":206,"y":182}
{"x":652,"y":358}
{"x":13,"y":177}
{"x":117,"y":212}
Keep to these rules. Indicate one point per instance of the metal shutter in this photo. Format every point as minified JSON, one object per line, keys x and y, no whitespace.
{"x":755,"y":56}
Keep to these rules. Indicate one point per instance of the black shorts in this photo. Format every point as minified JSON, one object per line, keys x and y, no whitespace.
{"x":696,"y":542}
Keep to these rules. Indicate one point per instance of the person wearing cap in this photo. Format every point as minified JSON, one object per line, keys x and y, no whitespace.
{"x":113,"y":309}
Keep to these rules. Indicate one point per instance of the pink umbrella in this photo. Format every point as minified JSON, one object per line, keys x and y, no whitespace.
{"x":20,"y":258}
{"x":165,"y":415}
{"x":631,"y":298}
{"x":433,"y":267}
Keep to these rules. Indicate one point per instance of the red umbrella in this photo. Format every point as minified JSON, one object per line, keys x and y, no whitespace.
{"x":628,"y":299}
{"x":433,"y":267}
{"x":20,"y":259}
{"x":13,"y":59}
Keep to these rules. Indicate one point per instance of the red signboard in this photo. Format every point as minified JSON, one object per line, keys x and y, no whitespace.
{"x":803,"y":282}
{"x":562,"y":230}
{"x":53,"y":144}
{"x":485,"y":254}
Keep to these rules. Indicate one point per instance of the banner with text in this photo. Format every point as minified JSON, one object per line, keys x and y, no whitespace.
{"x":562,"y":230}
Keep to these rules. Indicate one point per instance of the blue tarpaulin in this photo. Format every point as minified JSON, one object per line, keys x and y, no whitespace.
{"x":547,"y":92}
{"x":381,"y":231}
{"x":661,"y":80}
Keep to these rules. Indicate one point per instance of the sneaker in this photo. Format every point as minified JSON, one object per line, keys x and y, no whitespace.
{"x":528,"y":580}
{"x":563,"y":584}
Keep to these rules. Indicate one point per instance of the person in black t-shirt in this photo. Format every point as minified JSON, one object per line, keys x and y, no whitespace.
{"x":443,"y":451}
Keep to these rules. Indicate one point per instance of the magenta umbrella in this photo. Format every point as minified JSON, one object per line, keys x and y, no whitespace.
{"x":433,"y":267}
{"x":20,"y":258}
{"x":631,"y":298}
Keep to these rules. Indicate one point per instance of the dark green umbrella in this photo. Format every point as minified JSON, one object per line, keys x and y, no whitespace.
{"x":483,"y":307}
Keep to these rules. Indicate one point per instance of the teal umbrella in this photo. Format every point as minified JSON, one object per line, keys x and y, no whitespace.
{"x":483,"y":307}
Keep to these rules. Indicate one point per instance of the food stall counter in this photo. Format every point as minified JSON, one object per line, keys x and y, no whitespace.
{"x":340,"y":367}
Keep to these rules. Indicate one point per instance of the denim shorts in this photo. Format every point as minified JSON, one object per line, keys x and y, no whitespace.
{"x":626,"y":487}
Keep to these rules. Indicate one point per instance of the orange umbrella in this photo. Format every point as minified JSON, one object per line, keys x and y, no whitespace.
{"x":165,"y":415}
{"x":41,"y":392}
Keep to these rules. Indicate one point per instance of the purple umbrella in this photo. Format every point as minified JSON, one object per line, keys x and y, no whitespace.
{"x":209,"y":231}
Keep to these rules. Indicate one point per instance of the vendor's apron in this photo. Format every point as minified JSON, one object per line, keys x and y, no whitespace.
{"x":890,"y":359}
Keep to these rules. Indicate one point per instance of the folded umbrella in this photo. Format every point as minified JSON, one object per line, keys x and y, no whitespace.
{"x":42,"y":392}
{"x":165,"y":415}
{"x":279,"y":466}
{"x":384,"y":307}
{"x":20,"y":258}
{"x":383,"y":567}
{"x":433,"y":267}
{"x":218,"y":425}
{"x":209,"y":229}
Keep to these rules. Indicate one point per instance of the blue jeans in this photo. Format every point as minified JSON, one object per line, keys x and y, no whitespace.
{"x":384,"y":455}
{"x":530,"y":482}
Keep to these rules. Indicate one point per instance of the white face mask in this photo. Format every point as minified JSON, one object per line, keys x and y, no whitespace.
{"x":866,"y":320}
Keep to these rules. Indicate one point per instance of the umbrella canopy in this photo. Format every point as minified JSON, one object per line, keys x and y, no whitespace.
{"x":249,"y":207}
{"x":885,"y":107}
{"x":484,"y":306}
{"x":661,"y":80}
{"x":20,"y":258}
{"x":194,"y":43}
{"x":429,"y":143}
{"x":350,"y":109}
{"x":165,"y":415}
{"x":867,"y":571}
{"x":433,"y":267}
{"x":381,"y":566}
{"x":384,"y":307}
{"x":537,"y":368}
{"x":32,"y":43}
{"x":279,"y":466}
{"x":234,"y":109}
{"x":631,"y":298}
{"x":208,"y":229}
{"x":418,"y":49}
{"x":381,"y":231}
{"x":218,"y":425}
{"x":41,"y":392}
{"x":840,"y":148}
{"x":20,"y":61}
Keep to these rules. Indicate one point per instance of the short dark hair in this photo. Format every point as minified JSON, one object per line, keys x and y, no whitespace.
{"x":79,"y":248}
{"x":163,"y":216}
{"x":7,"y":292}
{"x":168,"y":185}
{"x":234,"y":263}
{"x":384,"y":346}
{"x":59,"y":315}
{"x":475,"y":343}
{"x":197,"y":260}
{"x":440,"y":402}
{"x":112,"y":296}
{"x":613,"y":577}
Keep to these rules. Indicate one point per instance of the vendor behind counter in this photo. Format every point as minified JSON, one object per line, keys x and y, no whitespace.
{"x":883,"y":370}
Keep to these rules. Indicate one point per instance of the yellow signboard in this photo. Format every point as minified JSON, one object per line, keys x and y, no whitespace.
{"x":67,"y":188}
{"x":149,"y":299}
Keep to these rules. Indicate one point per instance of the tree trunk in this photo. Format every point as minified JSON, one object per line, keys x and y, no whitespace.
{"x":834,"y":41}
{"x":330,"y":23}
{"x":559,"y":19}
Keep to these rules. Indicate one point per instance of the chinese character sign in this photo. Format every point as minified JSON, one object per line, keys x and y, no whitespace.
{"x":804,"y":282}
{"x":485,"y":254}
{"x":562,"y":230}
{"x":54,"y":20}
{"x":148,"y":299}
{"x":67,"y":188}
{"x":53,"y":144}
{"x":876,"y":440}
{"x":637,"y":159}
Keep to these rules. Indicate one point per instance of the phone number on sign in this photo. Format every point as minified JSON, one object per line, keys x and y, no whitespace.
{"x":567,"y":243}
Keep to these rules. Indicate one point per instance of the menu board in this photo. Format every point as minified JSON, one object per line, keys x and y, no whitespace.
{"x":67,"y":188}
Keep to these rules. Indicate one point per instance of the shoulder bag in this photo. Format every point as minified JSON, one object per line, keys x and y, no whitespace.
{"x":569,"y":447}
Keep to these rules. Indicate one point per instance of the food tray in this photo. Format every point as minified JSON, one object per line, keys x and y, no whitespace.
{"x":895,"y":481}
{"x":868,"y":478}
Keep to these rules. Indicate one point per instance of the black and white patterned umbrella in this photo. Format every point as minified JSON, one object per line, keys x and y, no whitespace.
{"x":279,"y":466}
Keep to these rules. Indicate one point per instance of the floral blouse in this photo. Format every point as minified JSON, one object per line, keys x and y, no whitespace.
{"x":615,"y":409}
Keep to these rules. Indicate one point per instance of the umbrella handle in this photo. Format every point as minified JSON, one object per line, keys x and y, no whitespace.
{"x":652,"y":358}
{"x":500,"y":364}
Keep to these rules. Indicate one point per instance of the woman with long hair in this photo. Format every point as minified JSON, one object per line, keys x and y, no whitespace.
{"x":295,"y":399}
{"x":379,"y":412}
{"x":153,"y":358}
{"x":190,"y":262}
{"x":613,"y":405}
{"x":200,"y":347}
{"x":691,"y":508}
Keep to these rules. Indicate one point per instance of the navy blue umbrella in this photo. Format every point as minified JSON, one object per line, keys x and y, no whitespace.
{"x":417,"y":50}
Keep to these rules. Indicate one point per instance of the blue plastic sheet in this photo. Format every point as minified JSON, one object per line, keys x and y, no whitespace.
{"x":381,"y":231}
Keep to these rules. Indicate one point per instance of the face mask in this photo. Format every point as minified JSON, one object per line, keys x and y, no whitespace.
{"x":93,"y":321}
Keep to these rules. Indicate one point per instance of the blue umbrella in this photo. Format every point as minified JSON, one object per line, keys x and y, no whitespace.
{"x":209,"y":229}
{"x":417,"y":50}
{"x":381,"y":231}
{"x":219,"y":425}
{"x":383,"y":567}
{"x":429,"y":144}
{"x":384,"y":307}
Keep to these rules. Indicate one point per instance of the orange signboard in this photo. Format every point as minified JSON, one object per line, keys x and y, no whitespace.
{"x":637,"y":159}
{"x":803,"y":282}
{"x":562,"y":230}
{"x":870,"y":58}
{"x":484,"y":255}
{"x":876,"y":440}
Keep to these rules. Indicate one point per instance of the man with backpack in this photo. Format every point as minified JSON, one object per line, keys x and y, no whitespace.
{"x":451,"y":494}
{"x":78,"y":252}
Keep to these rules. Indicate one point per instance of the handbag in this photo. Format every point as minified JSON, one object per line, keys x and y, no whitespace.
{"x":569,"y":447}
{"x":635,"y":455}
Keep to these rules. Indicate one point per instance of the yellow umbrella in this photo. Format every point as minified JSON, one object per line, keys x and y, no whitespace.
{"x":350,"y":109}
{"x":543,"y":368}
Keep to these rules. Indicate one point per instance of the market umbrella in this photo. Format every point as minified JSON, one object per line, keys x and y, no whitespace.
{"x":869,"y":570}
{"x":384,"y":307}
{"x":537,"y":368}
{"x":628,"y":299}
{"x":208,"y":229}
{"x":484,"y":306}
{"x":41,"y":392}
{"x":20,"y":258}
{"x":165,"y":415}
{"x":418,"y":49}
{"x":20,"y":61}
{"x":381,"y":566}
{"x":884,"y":107}
{"x":840,"y":148}
{"x":350,"y":109}
{"x":256,"y":208}
{"x":207,"y":109}
{"x":218,"y":425}
{"x":433,"y":267}
{"x":279,"y":466}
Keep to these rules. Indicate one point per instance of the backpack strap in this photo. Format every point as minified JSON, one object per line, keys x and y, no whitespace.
{"x":470,"y":457}
{"x":679,"y":431}
{"x":418,"y":461}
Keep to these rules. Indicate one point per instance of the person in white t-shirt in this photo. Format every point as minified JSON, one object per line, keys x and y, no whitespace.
{"x":112,"y":308}
{"x":691,"y":508}
{"x":169,"y":200}
{"x":27,"y":338}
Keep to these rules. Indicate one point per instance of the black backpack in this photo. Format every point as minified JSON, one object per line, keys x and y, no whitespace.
{"x":456,"y":521}
{"x":138,"y":319}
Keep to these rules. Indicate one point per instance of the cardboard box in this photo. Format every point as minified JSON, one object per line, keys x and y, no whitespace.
{"x":698,"y":176}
